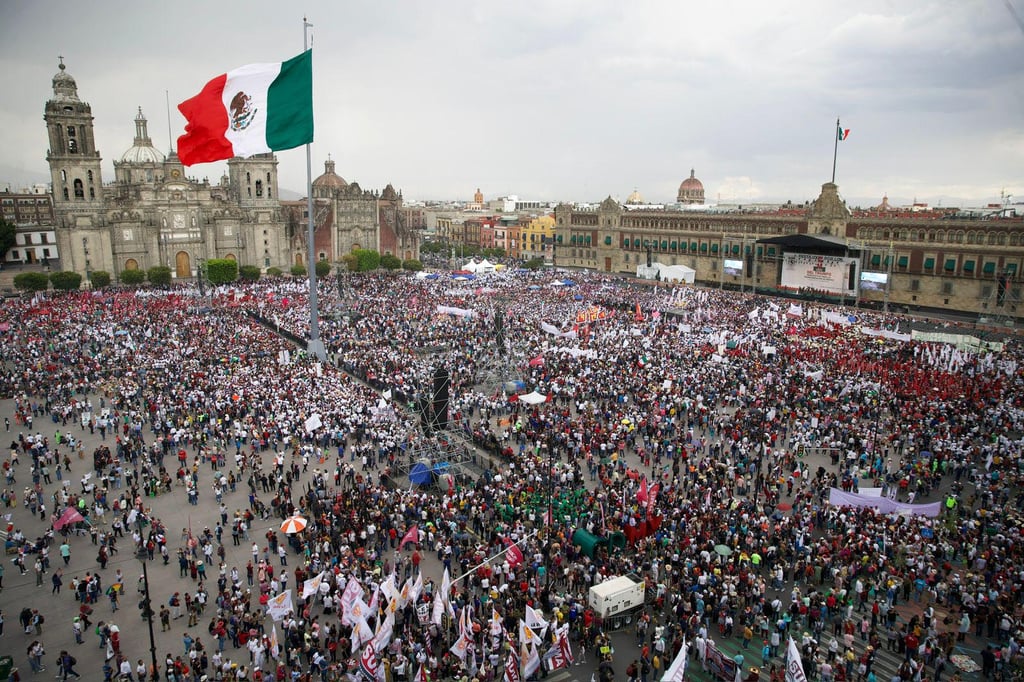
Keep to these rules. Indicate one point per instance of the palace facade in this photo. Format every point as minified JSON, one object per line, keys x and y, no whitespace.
{"x":968,"y":265}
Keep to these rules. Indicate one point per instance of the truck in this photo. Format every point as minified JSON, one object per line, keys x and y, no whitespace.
{"x":617,"y":601}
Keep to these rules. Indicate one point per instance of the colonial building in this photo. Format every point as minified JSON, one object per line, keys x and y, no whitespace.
{"x":32,"y":216}
{"x":349,"y":217}
{"x":970,"y":265}
{"x":153,"y":213}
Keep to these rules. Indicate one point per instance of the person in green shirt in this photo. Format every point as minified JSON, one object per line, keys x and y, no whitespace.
{"x":65,"y":552}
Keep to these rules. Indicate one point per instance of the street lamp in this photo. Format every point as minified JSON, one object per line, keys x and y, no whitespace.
{"x":85,"y":250}
{"x":551,"y":511}
{"x":147,"y":609}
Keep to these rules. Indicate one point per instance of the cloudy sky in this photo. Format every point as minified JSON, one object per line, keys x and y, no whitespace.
{"x":566,"y":99}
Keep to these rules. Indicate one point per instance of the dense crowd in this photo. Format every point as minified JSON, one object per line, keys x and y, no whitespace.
{"x":678,"y":419}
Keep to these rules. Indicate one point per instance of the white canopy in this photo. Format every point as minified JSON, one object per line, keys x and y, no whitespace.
{"x":484,"y":266}
{"x":533,"y":398}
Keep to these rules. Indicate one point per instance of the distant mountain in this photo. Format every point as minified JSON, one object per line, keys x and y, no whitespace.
{"x":288,"y":195}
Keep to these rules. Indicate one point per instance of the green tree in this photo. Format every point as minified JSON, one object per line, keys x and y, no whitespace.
{"x":66,"y":280}
{"x":434,"y":247}
{"x":368,"y":260}
{"x":274,"y":272}
{"x":390,"y":262}
{"x":251,"y":273}
{"x":100,"y":279}
{"x":159,"y":275}
{"x":351,"y":262}
{"x":534,"y":263}
{"x":413,"y":265}
{"x":323,"y":268}
{"x":133,"y":277}
{"x":7,"y":231}
{"x":221,"y":270}
{"x":298,"y":270}
{"x":31,"y":281}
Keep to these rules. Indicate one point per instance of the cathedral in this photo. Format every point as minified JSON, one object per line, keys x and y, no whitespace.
{"x":154,"y":214}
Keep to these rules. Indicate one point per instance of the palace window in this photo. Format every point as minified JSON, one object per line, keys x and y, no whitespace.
{"x":259,"y":188}
{"x":79,"y":189}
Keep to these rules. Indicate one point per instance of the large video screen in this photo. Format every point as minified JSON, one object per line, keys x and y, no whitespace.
{"x":820,"y":273}
{"x":873,"y":281}
{"x":733,"y":267}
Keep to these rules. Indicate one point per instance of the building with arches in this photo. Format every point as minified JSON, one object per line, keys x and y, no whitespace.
{"x":937,"y":260}
{"x":152,"y":213}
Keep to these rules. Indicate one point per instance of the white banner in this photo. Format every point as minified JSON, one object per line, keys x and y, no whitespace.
{"x":280,"y":606}
{"x":824,"y":273}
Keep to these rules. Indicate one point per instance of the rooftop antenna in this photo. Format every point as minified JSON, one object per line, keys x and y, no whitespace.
{"x":170,"y":139}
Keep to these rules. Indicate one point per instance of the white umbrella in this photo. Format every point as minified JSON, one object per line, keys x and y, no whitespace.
{"x":295,"y":524}
{"x":533,"y":398}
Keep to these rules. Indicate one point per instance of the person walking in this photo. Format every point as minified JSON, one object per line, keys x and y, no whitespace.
{"x":35,"y":656}
{"x":67,"y":664}
{"x":65,"y":552}
{"x":58,"y":580}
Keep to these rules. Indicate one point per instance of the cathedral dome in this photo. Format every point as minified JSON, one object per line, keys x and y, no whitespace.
{"x":691,"y":190}
{"x":634,"y":198}
{"x":330,"y":179}
{"x":142,"y":150}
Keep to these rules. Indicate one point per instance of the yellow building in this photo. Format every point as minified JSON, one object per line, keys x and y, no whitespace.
{"x":536,"y":238}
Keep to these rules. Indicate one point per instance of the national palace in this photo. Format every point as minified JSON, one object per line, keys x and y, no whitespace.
{"x":933,"y":261}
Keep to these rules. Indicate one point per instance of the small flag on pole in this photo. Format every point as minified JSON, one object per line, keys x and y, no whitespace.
{"x":843,"y":133}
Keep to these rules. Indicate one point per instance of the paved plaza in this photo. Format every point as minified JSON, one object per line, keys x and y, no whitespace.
{"x":739,"y":534}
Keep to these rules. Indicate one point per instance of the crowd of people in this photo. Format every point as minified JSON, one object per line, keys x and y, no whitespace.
{"x":683,"y":420}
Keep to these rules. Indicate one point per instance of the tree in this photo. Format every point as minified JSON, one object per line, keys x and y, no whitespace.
{"x":100,"y":279}
{"x":274,"y":272}
{"x":390,"y":262}
{"x":159,"y":275}
{"x":31,"y":281}
{"x":534,"y":263}
{"x":221,"y":270}
{"x":66,"y":280}
{"x":413,"y":265}
{"x":367,"y":260}
{"x":7,"y":231}
{"x":133,"y":277}
{"x":251,"y":273}
{"x":323,"y":268}
{"x":351,"y":262}
{"x":298,"y":270}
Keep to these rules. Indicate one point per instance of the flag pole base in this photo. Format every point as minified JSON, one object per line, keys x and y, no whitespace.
{"x":317,"y":349}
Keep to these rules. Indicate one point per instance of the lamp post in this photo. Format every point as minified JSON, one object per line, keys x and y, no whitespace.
{"x":200,"y":264}
{"x":88,"y":264}
{"x":551,"y":511}
{"x":147,"y":611}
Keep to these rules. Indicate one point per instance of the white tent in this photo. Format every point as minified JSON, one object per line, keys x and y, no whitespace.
{"x":666,"y":273}
{"x":484,"y":266}
{"x":471,"y":266}
{"x":533,"y":398}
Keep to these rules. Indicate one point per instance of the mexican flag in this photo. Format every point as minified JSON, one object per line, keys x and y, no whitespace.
{"x":843,"y":133}
{"x":254,"y":109}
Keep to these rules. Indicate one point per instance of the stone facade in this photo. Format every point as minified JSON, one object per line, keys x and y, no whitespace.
{"x":950,"y":263}
{"x":355,"y":218}
{"x":153,"y":213}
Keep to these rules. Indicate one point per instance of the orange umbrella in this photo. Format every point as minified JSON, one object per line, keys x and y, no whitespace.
{"x":295,"y":524}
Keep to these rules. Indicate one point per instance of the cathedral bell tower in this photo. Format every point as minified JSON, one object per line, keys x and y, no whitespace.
{"x":83,"y":240}
{"x":73,"y":158}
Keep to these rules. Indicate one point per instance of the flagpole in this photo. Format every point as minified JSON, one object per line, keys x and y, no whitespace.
{"x":316,"y":345}
{"x":835,"y":152}
{"x":490,"y":559}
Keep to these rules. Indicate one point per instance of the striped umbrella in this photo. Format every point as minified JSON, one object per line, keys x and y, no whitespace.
{"x":295,"y":524}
